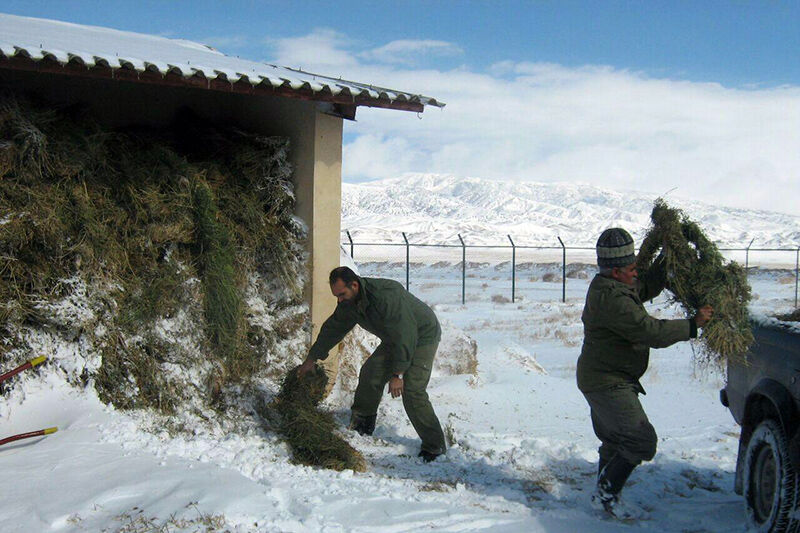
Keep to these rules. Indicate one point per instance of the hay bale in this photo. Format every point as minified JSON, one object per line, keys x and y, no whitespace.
{"x":697,"y":275}
{"x":310,"y":432}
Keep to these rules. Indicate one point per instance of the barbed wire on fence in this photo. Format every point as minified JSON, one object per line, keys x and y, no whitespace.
{"x":404,"y":248}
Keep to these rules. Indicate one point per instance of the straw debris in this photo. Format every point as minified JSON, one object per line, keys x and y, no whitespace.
{"x":697,"y":275}
{"x":311,"y":432}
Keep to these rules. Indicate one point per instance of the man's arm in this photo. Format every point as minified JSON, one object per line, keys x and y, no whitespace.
{"x":654,"y":280}
{"x":401,"y":327}
{"x":631,"y":321}
{"x":330,"y":334}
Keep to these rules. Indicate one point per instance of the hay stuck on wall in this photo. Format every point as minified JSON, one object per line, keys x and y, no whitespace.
{"x":697,"y":275}
{"x":310,"y":432}
{"x":165,"y":232}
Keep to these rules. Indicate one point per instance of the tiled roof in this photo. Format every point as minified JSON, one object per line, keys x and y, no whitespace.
{"x":53,"y":46}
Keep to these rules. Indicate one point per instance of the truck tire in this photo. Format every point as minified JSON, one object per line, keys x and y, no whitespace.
{"x":770,"y":482}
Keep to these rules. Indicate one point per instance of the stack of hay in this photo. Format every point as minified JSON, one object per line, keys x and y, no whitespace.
{"x":697,"y":275}
{"x":106,"y":235}
{"x":309,"y":431}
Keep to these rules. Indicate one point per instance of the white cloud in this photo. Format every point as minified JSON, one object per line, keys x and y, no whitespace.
{"x":320,"y":49}
{"x":595,"y":123}
{"x":411,"y":52}
{"x":377,"y":157}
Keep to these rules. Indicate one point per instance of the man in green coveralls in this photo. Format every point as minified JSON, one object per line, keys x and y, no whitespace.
{"x":409,"y":332}
{"x":618,"y":335}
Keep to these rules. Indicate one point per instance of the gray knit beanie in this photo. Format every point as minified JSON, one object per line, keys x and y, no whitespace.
{"x":615,"y":248}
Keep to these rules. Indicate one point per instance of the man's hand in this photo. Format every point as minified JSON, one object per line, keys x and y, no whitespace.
{"x":396,"y":386}
{"x":305,"y":368}
{"x":703,"y":315}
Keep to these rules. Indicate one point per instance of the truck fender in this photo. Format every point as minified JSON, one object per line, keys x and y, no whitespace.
{"x":780,"y":399}
{"x":782,"y":403}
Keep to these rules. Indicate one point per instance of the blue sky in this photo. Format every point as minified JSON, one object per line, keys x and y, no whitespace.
{"x":734,"y":42}
{"x":703,"y":96}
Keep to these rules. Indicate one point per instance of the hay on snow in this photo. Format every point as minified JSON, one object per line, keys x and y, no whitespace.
{"x":311,"y":432}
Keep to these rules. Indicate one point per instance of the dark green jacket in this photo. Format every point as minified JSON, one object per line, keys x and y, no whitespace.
{"x":618,"y":333}
{"x":387,"y":310}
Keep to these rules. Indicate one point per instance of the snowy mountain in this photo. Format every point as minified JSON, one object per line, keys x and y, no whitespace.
{"x":433,"y":208}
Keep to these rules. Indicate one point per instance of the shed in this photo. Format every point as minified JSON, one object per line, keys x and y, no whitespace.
{"x":129,"y":78}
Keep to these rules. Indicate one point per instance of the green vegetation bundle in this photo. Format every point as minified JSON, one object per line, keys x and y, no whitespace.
{"x":310,"y":432}
{"x":697,"y":275}
{"x":118,"y":226}
{"x":794,"y":316}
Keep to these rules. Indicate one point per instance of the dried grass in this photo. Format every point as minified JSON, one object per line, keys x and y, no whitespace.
{"x":138,"y":214}
{"x":311,"y":432}
{"x":697,"y":275}
{"x":794,"y":316}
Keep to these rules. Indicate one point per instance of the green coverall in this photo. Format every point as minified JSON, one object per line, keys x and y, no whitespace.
{"x":618,"y":335}
{"x":409,"y":332}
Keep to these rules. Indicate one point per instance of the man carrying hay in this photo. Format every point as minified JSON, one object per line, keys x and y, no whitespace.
{"x":618,"y":335}
{"x":409,"y":332}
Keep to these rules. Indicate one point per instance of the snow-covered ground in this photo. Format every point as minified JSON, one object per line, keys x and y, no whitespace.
{"x":523,"y":456}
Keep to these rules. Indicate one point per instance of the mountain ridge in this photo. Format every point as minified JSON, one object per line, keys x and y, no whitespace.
{"x":435,"y":208}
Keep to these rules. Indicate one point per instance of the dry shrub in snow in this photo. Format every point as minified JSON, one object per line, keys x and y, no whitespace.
{"x":697,"y":275}
{"x":551,"y":277}
{"x":577,"y":273}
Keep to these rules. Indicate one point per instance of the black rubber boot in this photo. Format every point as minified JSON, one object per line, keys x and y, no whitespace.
{"x":609,"y":485}
{"x":363,"y":425}
{"x":614,"y":475}
{"x":428,"y":456}
{"x":601,"y":464}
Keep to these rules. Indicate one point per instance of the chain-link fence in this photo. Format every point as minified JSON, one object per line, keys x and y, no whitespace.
{"x":460,"y":272}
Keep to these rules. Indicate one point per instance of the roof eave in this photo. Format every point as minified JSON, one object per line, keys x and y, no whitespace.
{"x":101,"y":70}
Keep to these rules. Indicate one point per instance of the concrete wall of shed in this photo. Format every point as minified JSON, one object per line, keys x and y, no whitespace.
{"x":315,"y":137}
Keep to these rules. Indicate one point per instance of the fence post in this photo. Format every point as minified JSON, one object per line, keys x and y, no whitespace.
{"x":563,"y":270}
{"x":796,"y":274}
{"x":349,"y":238}
{"x":463,"y":270}
{"x":407,"y":261}
{"x":513,"y":268}
{"x":747,"y":255}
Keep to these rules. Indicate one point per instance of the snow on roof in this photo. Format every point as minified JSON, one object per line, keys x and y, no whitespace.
{"x":31,"y":43}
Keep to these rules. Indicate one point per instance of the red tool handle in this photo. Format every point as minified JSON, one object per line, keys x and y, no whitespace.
{"x":28,"y":435}
{"x":24,"y":366}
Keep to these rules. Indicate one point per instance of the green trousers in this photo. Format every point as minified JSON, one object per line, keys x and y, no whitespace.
{"x":621,"y":424}
{"x":372,"y":380}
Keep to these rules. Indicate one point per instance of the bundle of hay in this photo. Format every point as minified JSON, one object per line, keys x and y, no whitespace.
{"x":697,"y":275}
{"x":794,"y":316}
{"x":310,"y":432}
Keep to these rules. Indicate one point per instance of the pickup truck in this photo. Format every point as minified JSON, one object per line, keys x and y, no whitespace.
{"x":763,"y":394}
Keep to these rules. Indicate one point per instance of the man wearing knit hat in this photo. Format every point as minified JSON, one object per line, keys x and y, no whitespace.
{"x":618,"y":335}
